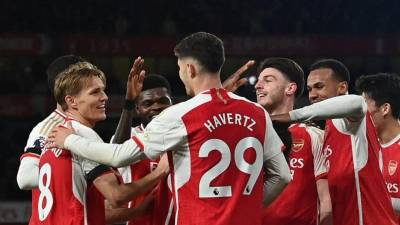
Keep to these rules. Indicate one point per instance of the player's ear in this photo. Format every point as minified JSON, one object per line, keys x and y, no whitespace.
{"x":343,"y":87}
{"x":71,"y":103}
{"x":386,"y":109}
{"x":192,"y":71}
{"x":291,"y":89}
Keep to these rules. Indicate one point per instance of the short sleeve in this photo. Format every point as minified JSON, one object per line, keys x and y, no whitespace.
{"x":317,"y":141}
{"x":162,"y":134}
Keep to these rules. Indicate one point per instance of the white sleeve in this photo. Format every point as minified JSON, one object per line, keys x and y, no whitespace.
{"x":277,"y":177}
{"x":396,"y":205}
{"x":162,"y":134}
{"x":352,"y":107}
{"x":28,"y":173}
{"x":317,"y":141}
{"x":115,"y":155}
{"x":272,"y":144}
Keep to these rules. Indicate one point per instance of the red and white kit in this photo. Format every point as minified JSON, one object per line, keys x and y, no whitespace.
{"x":28,"y":171}
{"x":298,"y":203}
{"x":217,"y":143}
{"x":67,"y":196}
{"x":351,"y":146}
{"x":391,"y":170}
{"x":161,"y":211}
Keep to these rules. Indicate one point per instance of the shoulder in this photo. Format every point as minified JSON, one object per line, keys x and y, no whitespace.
{"x":85,"y":131}
{"x":246,"y":101}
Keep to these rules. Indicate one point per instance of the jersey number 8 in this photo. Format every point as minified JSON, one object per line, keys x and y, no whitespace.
{"x":254,"y":169}
{"x":45,"y":192}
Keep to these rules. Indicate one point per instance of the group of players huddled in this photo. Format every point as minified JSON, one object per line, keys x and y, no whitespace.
{"x":217,"y":158}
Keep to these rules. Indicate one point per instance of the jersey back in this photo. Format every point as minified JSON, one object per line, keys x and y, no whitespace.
{"x":217,"y":158}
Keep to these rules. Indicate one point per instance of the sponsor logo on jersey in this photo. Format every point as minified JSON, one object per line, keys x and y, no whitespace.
{"x":392,"y":167}
{"x":40,"y":142}
{"x":297,"y":144}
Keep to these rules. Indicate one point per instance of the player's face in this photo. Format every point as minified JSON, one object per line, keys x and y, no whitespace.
{"x":321,"y":85}
{"x":184,"y":75}
{"x":270,"y":88}
{"x":91,"y":102}
{"x":152,"y":102}
{"x":375,"y":111}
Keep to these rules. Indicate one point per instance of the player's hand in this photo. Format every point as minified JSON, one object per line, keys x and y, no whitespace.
{"x":283,"y":118}
{"x":134,"y":84}
{"x":163,"y":167}
{"x":58,"y":135}
{"x":233,"y":82}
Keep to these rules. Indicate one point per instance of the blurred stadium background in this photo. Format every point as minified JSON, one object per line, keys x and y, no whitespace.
{"x":365,"y":35}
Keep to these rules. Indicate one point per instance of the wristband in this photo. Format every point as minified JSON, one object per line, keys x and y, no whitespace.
{"x":129,"y":104}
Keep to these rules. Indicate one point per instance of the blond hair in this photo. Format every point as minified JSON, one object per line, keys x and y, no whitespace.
{"x":72,"y":80}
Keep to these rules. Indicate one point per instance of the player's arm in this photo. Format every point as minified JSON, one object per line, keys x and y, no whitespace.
{"x":28,"y":172}
{"x":275,"y":165}
{"x":117,"y":193}
{"x":121,"y":215}
{"x":233,"y":82}
{"x":325,"y":204}
{"x":352,"y":107}
{"x":134,"y":86}
{"x":162,"y":134}
{"x":396,"y":205}
{"x":116,"y":155}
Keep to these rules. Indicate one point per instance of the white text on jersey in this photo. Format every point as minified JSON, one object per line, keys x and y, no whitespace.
{"x":229,"y":118}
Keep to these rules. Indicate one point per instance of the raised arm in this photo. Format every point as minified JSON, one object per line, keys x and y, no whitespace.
{"x":134,"y":86}
{"x":233,"y":82}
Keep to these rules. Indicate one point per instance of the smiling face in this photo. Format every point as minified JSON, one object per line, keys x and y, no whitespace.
{"x":321,"y":85}
{"x":270,"y":88}
{"x":152,"y":102}
{"x":88,"y":106}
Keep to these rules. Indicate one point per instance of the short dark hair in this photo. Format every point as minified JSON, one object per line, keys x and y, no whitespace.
{"x":204,"y":47}
{"x":59,"y":65}
{"x":340,"y":71}
{"x":382,"y":88}
{"x":289,"y":68}
{"x":155,"y":81}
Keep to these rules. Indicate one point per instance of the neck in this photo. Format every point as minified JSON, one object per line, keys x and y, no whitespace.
{"x":78,"y":117}
{"x":283,"y":107}
{"x":389,"y":130}
{"x":205,"y":82}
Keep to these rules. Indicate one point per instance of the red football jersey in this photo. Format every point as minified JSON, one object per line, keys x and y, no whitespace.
{"x":356,"y":183}
{"x":391,"y":160}
{"x":160,"y":211}
{"x":33,"y":149}
{"x":67,"y":197}
{"x":298,"y":203}
{"x":216,"y":143}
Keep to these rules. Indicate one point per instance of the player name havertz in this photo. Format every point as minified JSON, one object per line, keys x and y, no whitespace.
{"x":229,"y":119}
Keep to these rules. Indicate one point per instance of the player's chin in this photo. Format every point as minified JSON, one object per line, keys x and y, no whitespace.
{"x":101,"y":116}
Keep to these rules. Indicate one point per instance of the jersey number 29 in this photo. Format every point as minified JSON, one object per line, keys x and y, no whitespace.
{"x":254,"y":169}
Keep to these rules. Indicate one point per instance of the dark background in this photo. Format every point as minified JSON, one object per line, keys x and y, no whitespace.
{"x":365,"y":35}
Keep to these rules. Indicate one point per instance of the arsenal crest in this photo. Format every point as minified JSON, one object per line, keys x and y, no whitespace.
{"x":392,"y":167}
{"x":297,"y":144}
